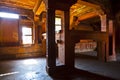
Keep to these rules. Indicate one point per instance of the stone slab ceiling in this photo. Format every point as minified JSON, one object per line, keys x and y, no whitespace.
{"x":26,"y":4}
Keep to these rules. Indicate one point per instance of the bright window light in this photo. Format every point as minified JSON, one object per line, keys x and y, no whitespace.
{"x":57,"y":24}
{"x":9,"y":15}
{"x":58,"y":21}
{"x":27,"y":31}
{"x":27,"y":35}
{"x":58,"y":28}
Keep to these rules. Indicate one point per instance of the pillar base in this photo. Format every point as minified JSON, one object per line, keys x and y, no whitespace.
{"x":112,"y":58}
{"x":59,"y":70}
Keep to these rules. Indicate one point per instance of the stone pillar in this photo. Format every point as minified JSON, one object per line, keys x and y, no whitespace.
{"x":111,"y":40}
{"x":109,"y":54}
{"x":101,"y":45}
{"x":50,"y":41}
{"x":36,"y":34}
{"x":101,"y":50}
{"x":68,"y":59}
{"x":69,"y":45}
{"x":103,"y":23}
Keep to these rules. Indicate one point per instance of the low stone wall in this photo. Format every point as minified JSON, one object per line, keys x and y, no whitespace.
{"x":85,"y":46}
{"x":20,"y":51}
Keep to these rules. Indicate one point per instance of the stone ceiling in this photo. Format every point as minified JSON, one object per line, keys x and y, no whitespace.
{"x":26,"y":4}
{"x":79,"y":9}
{"x":84,"y":10}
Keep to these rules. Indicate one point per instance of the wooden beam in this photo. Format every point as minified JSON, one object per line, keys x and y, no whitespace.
{"x":40,"y":9}
{"x":99,"y":36}
{"x":38,"y":3}
{"x":88,"y":15}
{"x":88,"y":4}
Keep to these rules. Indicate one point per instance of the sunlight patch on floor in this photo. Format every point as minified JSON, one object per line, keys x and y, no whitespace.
{"x":10,"y":73}
{"x":30,"y":62}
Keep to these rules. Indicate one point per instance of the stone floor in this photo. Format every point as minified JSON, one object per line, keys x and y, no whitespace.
{"x":92,"y":65}
{"x":34,"y":69}
{"x":24,"y":69}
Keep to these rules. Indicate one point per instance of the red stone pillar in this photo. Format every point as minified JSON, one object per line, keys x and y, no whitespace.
{"x":111,"y":40}
{"x":103,"y":23}
{"x":101,"y":50}
{"x":107,"y":53}
{"x":102,"y":45}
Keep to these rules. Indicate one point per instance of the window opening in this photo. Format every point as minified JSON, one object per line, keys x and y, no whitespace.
{"x":9,"y":15}
{"x":26,"y":35}
{"x":57,"y":24}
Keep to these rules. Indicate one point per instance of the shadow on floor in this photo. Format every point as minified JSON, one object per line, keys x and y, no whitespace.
{"x":78,"y":74}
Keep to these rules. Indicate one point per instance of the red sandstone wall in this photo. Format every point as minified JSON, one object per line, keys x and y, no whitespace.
{"x":9,"y":32}
{"x":20,"y":52}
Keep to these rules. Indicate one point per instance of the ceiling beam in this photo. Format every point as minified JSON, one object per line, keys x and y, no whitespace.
{"x":38,"y":3}
{"x":88,"y":4}
{"x":88,"y":15}
{"x":91,"y":14}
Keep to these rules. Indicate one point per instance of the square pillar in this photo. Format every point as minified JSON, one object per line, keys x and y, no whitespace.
{"x":69,"y":45}
{"x":103,"y":45}
{"x":101,"y":50}
{"x":50,"y":41}
{"x":111,"y":40}
{"x":107,"y":26}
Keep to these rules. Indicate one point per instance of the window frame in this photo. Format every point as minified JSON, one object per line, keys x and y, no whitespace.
{"x":58,"y":24}
{"x":27,"y":35}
